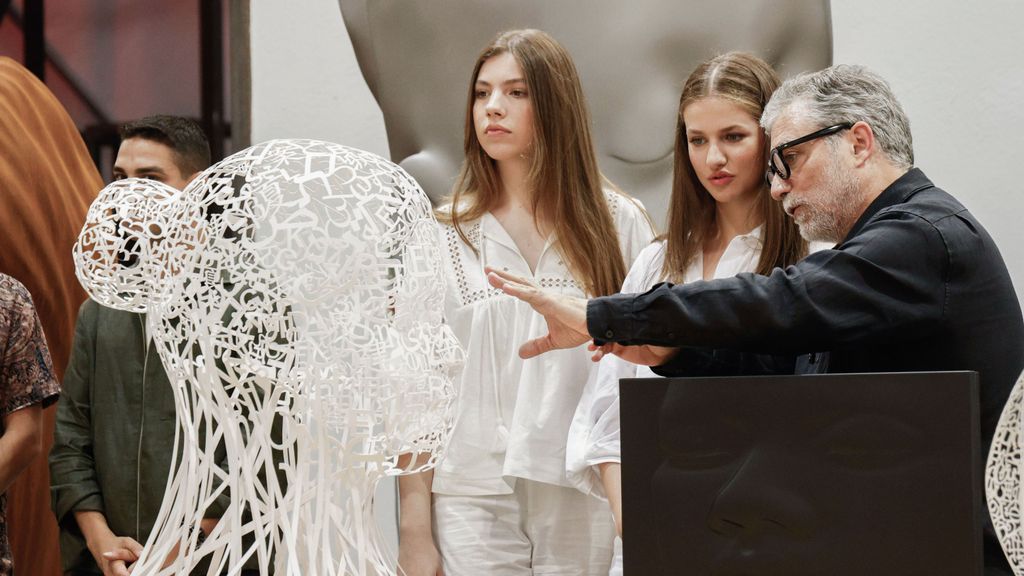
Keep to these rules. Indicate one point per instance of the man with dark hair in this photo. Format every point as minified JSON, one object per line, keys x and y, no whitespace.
{"x":168,"y":149}
{"x":914,"y":283}
{"x":181,"y":138}
{"x":115,"y":428}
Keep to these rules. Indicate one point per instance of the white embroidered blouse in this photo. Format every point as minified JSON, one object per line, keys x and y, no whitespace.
{"x":513,"y":414}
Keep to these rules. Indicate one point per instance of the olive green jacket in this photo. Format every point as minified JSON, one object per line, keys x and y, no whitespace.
{"x":114,"y":437}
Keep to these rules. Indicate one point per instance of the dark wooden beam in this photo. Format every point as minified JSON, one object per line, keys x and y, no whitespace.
{"x":34,"y":35}
{"x":241,"y":75}
{"x":211,"y":70}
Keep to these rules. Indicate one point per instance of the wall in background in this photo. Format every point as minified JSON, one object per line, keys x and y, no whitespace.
{"x":956,"y":68}
{"x":133,"y":58}
{"x":305,"y":80}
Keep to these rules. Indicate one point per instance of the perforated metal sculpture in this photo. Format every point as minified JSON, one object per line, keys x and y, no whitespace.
{"x":1003,"y":480}
{"x":294,"y":292}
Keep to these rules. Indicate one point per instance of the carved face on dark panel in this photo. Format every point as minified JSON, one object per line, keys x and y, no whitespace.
{"x":813,"y":475}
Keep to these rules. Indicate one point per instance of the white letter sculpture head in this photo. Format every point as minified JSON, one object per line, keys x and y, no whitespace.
{"x":121,"y":257}
{"x":294,"y":291}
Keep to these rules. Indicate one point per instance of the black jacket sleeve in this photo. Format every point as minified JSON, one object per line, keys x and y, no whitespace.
{"x":887,"y":279}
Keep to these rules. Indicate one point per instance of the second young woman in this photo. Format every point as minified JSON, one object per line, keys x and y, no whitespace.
{"x":722,"y":221}
{"x":529,"y":200}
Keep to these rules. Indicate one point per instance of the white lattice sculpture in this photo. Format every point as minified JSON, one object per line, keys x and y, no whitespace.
{"x":294,"y":291}
{"x":1004,"y":490}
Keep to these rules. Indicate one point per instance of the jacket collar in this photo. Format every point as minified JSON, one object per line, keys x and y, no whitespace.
{"x":901,"y":190}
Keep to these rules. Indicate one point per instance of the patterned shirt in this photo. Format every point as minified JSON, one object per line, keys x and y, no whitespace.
{"x":26,"y":373}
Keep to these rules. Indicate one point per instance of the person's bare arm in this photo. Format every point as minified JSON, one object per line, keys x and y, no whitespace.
{"x":611,"y":479}
{"x":417,"y":554}
{"x":21,"y":442}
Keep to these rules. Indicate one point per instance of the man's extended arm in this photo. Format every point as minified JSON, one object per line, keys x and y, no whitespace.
{"x":887,"y":280}
{"x":566,"y":317}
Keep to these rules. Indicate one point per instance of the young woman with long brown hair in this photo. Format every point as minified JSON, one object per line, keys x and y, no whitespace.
{"x":722,"y":222}
{"x":529,"y":199}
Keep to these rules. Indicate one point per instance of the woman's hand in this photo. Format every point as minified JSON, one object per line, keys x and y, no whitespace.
{"x":417,"y":556}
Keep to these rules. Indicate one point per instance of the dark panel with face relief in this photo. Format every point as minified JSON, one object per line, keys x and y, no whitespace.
{"x":845,"y":474}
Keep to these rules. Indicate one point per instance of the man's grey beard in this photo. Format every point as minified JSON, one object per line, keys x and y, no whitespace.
{"x":838,"y":207}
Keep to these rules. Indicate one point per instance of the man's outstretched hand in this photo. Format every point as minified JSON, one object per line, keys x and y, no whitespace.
{"x":566,"y":316}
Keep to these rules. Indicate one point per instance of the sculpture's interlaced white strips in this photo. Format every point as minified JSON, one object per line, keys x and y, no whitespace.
{"x":294,"y":291}
{"x":1003,"y":486}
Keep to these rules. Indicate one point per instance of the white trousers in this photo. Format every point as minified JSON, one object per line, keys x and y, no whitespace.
{"x":539,"y":530}
{"x":616,"y":569}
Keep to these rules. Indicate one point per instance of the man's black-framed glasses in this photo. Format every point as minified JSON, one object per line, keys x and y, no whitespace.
{"x":777,"y":164}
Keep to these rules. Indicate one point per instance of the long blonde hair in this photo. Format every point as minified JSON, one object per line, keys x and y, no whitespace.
{"x":566,"y":184}
{"x":749,"y":82}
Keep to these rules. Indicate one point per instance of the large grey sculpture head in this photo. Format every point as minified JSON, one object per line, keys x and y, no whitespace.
{"x":633,"y":58}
